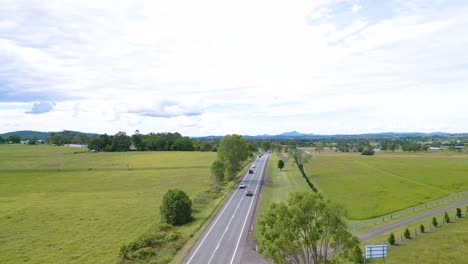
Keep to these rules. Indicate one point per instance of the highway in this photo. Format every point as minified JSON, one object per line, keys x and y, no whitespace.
{"x":223,"y":240}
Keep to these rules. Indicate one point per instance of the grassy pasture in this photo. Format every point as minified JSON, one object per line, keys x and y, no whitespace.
{"x":369,"y":186}
{"x":61,"y":205}
{"x":445,"y":244}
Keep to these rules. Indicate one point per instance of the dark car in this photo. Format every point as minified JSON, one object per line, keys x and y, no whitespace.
{"x":250,"y":171}
{"x":249,"y":193}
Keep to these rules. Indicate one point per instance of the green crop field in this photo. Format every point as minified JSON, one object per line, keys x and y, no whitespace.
{"x":369,"y":186}
{"x":66,"y":205}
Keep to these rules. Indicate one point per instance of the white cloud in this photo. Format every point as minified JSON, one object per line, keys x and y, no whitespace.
{"x":214,"y":68}
{"x":356,"y":8}
{"x":41,"y":107}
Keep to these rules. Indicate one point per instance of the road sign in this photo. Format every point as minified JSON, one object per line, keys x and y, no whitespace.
{"x":376,"y":251}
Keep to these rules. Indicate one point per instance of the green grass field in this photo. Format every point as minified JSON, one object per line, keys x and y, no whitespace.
{"x":445,"y":244}
{"x":282,"y":182}
{"x":369,"y":186}
{"x":61,"y":205}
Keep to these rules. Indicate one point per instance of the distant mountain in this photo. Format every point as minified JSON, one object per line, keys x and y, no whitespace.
{"x":25,"y":134}
{"x":293,"y":134}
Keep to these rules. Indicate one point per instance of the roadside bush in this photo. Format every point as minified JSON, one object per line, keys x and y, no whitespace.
{"x":421,"y":228}
{"x":407,"y":234}
{"x":391,"y":239}
{"x":446,"y":218}
{"x":459,"y":213}
{"x":434,"y":222}
{"x":176,"y":207}
{"x":159,"y":246}
{"x":143,"y":253}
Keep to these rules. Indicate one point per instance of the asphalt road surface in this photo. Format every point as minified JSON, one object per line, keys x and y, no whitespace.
{"x":223,"y":240}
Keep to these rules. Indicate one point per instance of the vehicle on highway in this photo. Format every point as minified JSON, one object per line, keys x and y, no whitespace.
{"x":242,"y":185}
{"x":249,"y":193}
{"x":250,"y":171}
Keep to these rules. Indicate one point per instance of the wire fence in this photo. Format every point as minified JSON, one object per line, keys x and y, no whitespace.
{"x":414,"y":232}
{"x":409,"y":211}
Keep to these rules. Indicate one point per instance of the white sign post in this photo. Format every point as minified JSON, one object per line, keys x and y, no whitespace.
{"x":376,"y":251}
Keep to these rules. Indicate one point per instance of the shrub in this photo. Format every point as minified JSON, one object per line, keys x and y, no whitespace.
{"x":421,"y":228}
{"x":176,"y":207}
{"x":391,"y":239}
{"x":434,"y":222}
{"x":124,"y":251}
{"x":164,"y":227}
{"x":368,"y":152}
{"x":280,"y":164}
{"x":459,"y":213}
{"x":143,"y":253}
{"x":446,"y":218}
{"x":407,"y":234}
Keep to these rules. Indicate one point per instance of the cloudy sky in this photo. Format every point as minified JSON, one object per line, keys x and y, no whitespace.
{"x":222,"y":67}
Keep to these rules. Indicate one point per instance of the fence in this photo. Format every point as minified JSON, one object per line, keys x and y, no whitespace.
{"x":408,"y":211}
{"x":416,"y":231}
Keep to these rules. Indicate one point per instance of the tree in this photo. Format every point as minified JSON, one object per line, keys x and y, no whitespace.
{"x":280,"y":164}
{"x":265,"y":146}
{"x":121,"y":142}
{"x":176,"y":207}
{"x":217,"y":170}
{"x":2,"y":140}
{"x":308,"y":229}
{"x":232,"y":150}
{"x":434,"y":222}
{"x":300,"y":158}
{"x":421,"y":228}
{"x":368,"y":152}
{"x":446,"y":218}
{"x":32,"y":140}
{"x":137,"y":140}
{"x":391,"y":239}
{"x":459,"y":213}
{"x":407,"y":234}
{"x":14,"y":139}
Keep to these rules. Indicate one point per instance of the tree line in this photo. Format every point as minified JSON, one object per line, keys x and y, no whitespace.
{"x":150,"y":142}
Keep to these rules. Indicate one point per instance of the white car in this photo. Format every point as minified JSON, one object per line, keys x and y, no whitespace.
{"x":242,"y":185}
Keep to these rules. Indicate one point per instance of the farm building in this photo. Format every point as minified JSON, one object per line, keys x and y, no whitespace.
{"x":76,"y":146}
{"x":435,"y":148}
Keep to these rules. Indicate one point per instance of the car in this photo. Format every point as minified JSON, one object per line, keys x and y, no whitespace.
{"x":253,"y":166}
{"x":250,"y":171}
{"x":249,"y":193}
{"x":242,"y":185}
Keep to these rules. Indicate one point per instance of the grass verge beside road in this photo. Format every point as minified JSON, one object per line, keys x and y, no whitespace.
{"x":278,"y":184}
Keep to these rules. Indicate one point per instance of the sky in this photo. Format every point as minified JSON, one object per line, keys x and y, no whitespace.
{"x":222,"y":67}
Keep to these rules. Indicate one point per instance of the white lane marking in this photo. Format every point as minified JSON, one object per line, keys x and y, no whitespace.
{"x":246,"y":217}
{"x":219,"y":216}
{"x":225,"y":230}
{"x":229,"y":223}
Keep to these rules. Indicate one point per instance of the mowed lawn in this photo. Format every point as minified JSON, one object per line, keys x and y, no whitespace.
{"x":370,"y":186}
{"x":280,"y":183}
{"x":62,"y":205}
